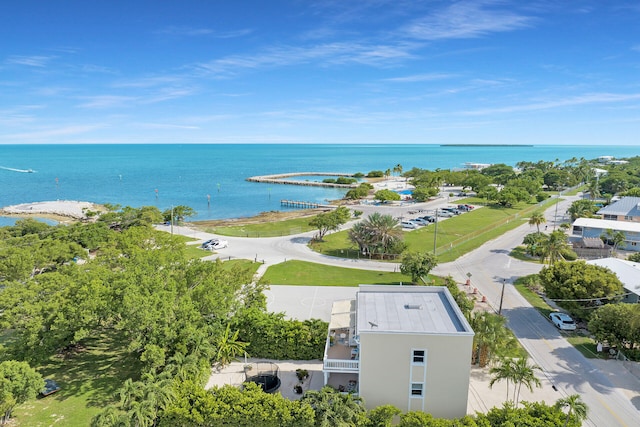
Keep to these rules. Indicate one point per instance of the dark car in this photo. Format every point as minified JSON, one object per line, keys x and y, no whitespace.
{"x":50,"y":387}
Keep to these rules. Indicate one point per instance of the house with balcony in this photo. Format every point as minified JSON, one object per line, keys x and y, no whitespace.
{"x":625,"y":209}
{"x":408,"y":346}
{"x":586,"y":228}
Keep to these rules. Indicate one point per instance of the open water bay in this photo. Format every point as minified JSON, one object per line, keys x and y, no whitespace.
{"x":185,"y":174}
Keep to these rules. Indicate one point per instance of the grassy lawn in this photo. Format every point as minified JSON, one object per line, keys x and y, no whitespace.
{"x":533,"y":298}
{"x":310,"y":274}
{"x":267,"y":229}
{"x":243,"y":263}
{"x":456,"y":236}
{"x":520,"y":253}
{"x":89,"y":381}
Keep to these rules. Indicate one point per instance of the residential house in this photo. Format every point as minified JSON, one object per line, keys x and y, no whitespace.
{"x":625,"y":209}
{"x":592,"y":227}
{"x":629,"y":274}
{"x":408,"y":346}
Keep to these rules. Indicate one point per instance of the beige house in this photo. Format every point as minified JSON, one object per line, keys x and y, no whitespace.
{"x":408,"y":346}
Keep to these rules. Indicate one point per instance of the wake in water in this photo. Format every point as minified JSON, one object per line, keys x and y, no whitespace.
{"x":17,"y":170}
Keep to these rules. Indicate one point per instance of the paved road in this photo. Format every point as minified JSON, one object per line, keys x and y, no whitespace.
{"x":561,"y":363}
{"x":490,"y":267}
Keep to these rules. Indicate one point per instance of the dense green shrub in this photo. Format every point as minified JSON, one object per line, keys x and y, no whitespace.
{"x":271,"y":336}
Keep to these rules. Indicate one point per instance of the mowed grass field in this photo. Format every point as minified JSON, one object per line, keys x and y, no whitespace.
{"x":304,"y":273}
{"x":455,"y":236}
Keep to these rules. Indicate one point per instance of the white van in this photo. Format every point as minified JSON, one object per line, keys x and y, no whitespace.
{"x":409,"y":224}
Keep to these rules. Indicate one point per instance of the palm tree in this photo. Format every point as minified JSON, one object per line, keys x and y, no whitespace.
{"x":129,"y":393}
{"x":523,"y":373}
{"x":376,"y":234}
{"x":575,"y":405}
{"x":491,"y":336}
{"x":613,"y":237}
{"x":553,"y":246}
{"x":594,"y":189}
{"x":228,"y":347}
{"x":536,"y":219}
{"x":503,"y":371}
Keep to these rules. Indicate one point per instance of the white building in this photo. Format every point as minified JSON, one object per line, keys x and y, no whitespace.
{"x":408,"y":346}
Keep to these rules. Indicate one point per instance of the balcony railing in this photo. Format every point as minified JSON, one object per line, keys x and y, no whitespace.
{"x":341,"y":365}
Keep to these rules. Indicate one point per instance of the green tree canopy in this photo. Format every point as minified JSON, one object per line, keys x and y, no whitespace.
{"x":330,"y":221}
{"x":18,"y":383}
{"x":418,"y":265}
{"x":578,"y":285}
{"x":386,"y":196}
{"x":617,"y":324}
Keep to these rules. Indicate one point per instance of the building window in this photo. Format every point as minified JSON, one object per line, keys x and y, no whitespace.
{"x":418,"y":357}
{"x":417,"y":389}
{"x":628,"y":218}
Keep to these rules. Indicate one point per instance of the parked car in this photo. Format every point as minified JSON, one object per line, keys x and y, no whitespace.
{"x":409,"y":224}
{"x":452,"y":210}
{"x":420,"y":221}
{"x":50,"y":387}
{"x":562,"y":321}
{"x":214,"y":244}
{"x":208,"y":243}
{"x":465,"y":208}
{"x":444,"y":213}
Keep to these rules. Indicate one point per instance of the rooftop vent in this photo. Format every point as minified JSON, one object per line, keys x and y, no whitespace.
{"x":413,"y":306}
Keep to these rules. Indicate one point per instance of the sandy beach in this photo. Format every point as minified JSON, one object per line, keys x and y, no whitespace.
{"x":60,"y":209}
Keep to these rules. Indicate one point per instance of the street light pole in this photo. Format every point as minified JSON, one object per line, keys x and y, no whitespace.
{"x":504,"y":281}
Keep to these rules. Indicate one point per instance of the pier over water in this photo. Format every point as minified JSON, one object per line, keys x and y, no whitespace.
{"x":279,"y":179}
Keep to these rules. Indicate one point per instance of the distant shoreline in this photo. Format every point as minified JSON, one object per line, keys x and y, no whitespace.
{"x":488,"y":145}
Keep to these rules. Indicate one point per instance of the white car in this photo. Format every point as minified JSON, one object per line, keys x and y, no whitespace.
{"x":409,"y":224}
{"x":214,"y":244}
{"x":563,"y":321}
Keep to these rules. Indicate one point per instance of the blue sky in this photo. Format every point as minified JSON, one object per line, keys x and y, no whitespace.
{"x":301,"y":71}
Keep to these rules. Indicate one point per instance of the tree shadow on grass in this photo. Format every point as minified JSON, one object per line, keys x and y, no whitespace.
{"x":93,"y":372}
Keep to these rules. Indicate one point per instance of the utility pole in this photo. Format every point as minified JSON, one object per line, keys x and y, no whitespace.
{"x":435,"y":233}
{"x":172,"y":220}
{"x":504,"y":281}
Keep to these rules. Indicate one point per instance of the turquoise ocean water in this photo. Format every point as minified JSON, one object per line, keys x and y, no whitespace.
{"x":129,"y":175}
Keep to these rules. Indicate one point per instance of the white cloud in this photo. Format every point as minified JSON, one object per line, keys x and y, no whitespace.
{"x":107,"y":101}
{"x":47,"y":134}
{"x":465,"y":19}
{"x":329,"y":53}
{"x":587,"y":99}
{"x":420,"y":78}
{"x":196,"y":32}
{"x":31,"y":61}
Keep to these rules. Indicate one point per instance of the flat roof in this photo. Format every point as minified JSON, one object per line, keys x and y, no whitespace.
{"x":606,"y":224}
{"x":627,"y":271}
{"x":409,"y":309}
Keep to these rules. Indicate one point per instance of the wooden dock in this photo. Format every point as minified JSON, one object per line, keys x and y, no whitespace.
{"x":278,"y":179}
{"x":305,"y":205}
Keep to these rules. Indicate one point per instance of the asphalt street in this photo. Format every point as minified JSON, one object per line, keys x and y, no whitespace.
{"x":490,"y":268}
